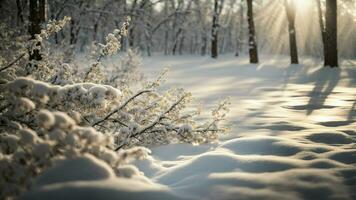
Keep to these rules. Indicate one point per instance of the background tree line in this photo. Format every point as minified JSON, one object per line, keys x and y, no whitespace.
{"x":199,"y":27}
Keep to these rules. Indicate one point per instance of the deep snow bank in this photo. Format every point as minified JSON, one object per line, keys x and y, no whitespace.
{"x":89,"y":178}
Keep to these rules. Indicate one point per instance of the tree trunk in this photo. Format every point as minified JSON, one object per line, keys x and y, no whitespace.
{"x":36,"y":17}
{"x":252,"y":37}
{"x":176,"y":40}
{"x":166,"y":27}
{"x":72,"y":32}
{"x":204,"y":46}
{"x":240,"y":32}
{"x":214,"y":31}
{"x":95,"y":31}
{"x":331,"y":58}
{"x":181,"y":44}
{"x":166,"y":37}
{"x":42,"y":10}
{"x":321,"y":24}
{"x":20,"y":19}
{"x":290,"y":10}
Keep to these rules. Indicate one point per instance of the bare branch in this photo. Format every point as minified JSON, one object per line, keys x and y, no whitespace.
{"x":120,"y":107}
{"x":157,"y":121}
{"x":13,"y":62}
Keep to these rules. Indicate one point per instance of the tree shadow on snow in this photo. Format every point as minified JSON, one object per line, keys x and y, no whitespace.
{"x":326,"y":80}
{"x":352,"y":112}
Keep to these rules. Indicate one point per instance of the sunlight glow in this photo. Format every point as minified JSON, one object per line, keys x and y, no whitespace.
{"x":302,"y":3}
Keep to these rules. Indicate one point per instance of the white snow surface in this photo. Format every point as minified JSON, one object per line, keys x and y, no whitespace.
{"x":292,"y":136}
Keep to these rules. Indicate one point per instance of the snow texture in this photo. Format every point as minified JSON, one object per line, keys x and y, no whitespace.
{"x":292,"y":137}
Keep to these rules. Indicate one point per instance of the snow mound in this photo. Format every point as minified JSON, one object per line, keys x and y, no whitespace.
{"x":262,"y":146}
{"x":88,"y":178}
{"x":223,"y":161}
{"x":85,"y":168}
{"x":109,"y":189}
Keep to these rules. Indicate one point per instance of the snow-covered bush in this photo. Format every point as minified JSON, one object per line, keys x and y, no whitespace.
{"x":127,"y":72}
{"x":26,"y":153}
{"x":20,"y":65}
{"x":54,"y":113}
{"x":145,"y":117}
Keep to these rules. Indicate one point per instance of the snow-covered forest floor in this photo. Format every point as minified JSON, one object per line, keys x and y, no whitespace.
{"x":292,"y":130}
{"x":292,"y":136}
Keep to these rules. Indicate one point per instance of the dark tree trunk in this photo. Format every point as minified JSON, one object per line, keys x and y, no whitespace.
{"x":252,"y":37}
{"x":36,"y":18}
{"x":95,"y":31}
{"x":42,"y":14}
{"x":205,"y":45}
{"x":166,"y":36}
{"x":72,"y":32}
{"x":166,"y":32}
{"x":20,"y":19}
{"x":131,"y":32}
{"x":290,"y":10}
{"x":175,"y":45}
{"x":181,"y":44}
{"x":214,"y":31}
{"x":331,"y":58}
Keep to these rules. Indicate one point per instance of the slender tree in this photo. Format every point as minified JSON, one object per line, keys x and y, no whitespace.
{"x":331,"y":58}
{"x":252,"y":36}
{"x":166,"y":29}
{"x":290,"y":10}
{"x":20,"y":19}
{"x":321,"y":23}
{"x":36,"y":17}
{"x":240,"y":30}
{"x":218,"y":5}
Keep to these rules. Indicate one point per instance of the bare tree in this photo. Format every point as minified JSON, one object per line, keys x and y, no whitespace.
{"x":331,"y":57}
{"x":218,"y":5}
{"x":36,"y":18}
{"x":20,"y":19}
{"x":240,"y":30}
{"x":202,"y":27}
{"x":290,"y":10}
{"x":252,"y":36}
{"x":166,"y":32}
{"x":321,"y":23}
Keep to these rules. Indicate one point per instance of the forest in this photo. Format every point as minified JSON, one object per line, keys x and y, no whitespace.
{"x":178,"y":99}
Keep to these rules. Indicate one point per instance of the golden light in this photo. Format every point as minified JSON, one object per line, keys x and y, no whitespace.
{"x":301,"y":3}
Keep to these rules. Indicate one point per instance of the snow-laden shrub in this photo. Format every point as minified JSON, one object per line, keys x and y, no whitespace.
{"x":145,"y":117}
{"x":18,"y":63}
{"x":26,"y":153}
{"x":127,"y":71}
{"x":140,"y":117}
{"x":53,"y":114}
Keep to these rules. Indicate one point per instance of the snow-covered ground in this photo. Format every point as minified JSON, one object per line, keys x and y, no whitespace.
{"x":292,"y":136}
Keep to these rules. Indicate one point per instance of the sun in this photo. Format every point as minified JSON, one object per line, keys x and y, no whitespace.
{"x":302,"y":3}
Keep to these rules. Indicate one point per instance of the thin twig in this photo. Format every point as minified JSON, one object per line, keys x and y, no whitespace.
{"x":154,"y":123}
{"x":13,"y":62}
{"x":120,"y":107}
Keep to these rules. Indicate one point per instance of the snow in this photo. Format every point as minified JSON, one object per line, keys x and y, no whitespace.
{"x":292,"y":130}
{"x":89,"y":178}
{"x":84,"y":168}
{"x":27,"y":136}
{"x":45,"y":119}
{"x":292,"y":136}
